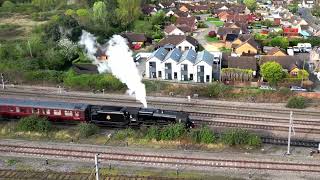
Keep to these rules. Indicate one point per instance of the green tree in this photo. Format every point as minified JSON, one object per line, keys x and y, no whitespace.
{"x":267,"y":23}
{"x":303,"y":74}
{"x":251,"y":4}
{"x":280,"y":41}
{"x":44,"y":4}
{"x":128,"y":11}
{"x":272,"y":72}
{"x":100,"y":14}
{"x":8,"y":5}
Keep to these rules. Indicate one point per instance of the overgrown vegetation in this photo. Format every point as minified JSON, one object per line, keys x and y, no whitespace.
{"x":297,"y":102}
{"x":34,"y":124}
{"x":203,"y":135}
{"x":86,"y":129}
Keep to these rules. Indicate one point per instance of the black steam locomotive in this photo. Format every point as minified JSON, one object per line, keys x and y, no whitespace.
{"x":111,"y":116}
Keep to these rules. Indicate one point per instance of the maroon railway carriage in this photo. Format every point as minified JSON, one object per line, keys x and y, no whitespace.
{"x":54,"y":111}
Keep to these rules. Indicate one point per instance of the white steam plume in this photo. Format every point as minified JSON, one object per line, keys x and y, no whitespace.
{"x":120,"y":63}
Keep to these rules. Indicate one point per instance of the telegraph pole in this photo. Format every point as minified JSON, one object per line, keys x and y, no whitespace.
{"x":289,"y":134}
{"x":97,"y":166}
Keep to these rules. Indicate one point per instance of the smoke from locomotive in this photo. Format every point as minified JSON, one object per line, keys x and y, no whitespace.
{"x":120,"y":63}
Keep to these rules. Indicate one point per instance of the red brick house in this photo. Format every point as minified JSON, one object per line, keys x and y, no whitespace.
{"x":290,"y":31}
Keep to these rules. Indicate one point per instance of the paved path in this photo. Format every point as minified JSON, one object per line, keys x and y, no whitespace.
{"x":201,"y":37}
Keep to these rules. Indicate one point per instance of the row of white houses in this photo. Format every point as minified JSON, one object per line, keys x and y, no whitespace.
{"x":181,"y":66}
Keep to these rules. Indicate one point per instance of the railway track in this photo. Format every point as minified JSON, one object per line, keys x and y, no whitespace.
{"x":50,"y":175}
{"x":171,"y":161}
{"x":215,"y":119}
{"x":184,"y":105}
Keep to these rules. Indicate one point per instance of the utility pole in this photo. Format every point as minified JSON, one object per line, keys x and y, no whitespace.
{"x":289,"y":134}
{"x":97,"y":166}
{"x":2,"y":80}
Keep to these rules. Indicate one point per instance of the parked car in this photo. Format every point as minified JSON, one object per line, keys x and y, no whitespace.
{"x":297,"y":88}
{"x":266,"y":87}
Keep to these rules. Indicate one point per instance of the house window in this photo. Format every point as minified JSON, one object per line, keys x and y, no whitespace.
{"x":179,"y":48}
{"x":154,"y":75}
{"x":182,"y":77}
{"x":151,"y":64}
{"x":184,"y":67}
{"x":175,"y":75}
{"x":159,"y":74}
{"x":68,"y":113}
{"x":57,"y":112}
{"x":168,"y":66}
{"x":186,"y":48}
{"x":191,"y":77}
{"x":207,"y":78}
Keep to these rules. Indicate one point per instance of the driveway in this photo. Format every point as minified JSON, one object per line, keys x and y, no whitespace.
{"x":201,"y":37}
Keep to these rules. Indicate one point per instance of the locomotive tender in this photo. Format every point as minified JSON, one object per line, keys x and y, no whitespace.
{"x":111,"y":116}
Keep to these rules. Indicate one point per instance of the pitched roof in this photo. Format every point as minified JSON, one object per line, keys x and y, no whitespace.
{"x":224,"y":31}
{"x":204,"y":56}
{"x":273,"y":51}
{"x":135,"y":37}
{"x":85,"y":68}
{"x":170,"y":28}
{"x":189,"y":55}
{"x":177,"y":39}
{"x":242,"y":62}
{"x":159,"y":54}
{"x":189,"y":21}
{"x":287,"y":62}
{"x":174,"y":54}
{"x":181,"y":13}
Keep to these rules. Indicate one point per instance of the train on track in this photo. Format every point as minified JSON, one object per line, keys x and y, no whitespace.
{"x":110,"y":116}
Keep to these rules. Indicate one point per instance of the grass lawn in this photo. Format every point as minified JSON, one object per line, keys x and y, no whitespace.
{"x":217,"y":23}
{"x":213,"y":19}
{"x":212,"y":39}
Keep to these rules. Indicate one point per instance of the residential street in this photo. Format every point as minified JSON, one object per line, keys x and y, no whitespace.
{"x":201,"y":37}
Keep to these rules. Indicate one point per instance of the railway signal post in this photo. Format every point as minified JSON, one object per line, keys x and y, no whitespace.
{"x":97,"y":166}
{"x":289,"y":134}
{"x":2,"y":80}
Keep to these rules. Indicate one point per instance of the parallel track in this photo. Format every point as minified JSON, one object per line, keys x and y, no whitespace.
{"x":215,"y":119}
{"x":171,"y":161}
{"x":272,"y":111}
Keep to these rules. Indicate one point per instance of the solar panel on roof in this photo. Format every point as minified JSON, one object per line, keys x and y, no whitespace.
{"x":43,"y":104}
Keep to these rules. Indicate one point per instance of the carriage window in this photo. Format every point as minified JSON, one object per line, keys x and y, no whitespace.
{"x":11,"y":109}
{"x":77,"y":114}
{"x":56,"y":112}
{"x":68,"y":113}
{"x":23,"y":110}
{"x":48,"y":111}
{"x":17,"y":109}
{"x":36,"y":110}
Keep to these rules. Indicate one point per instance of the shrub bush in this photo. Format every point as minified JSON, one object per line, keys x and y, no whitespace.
{"x":35,"y":124}
{"x":172,"y":132}
{"x":123,"y":134}
{"x":240,"y":137}
{"x":85,"y":130}
{"x":153,"y":133}
{"x":297,"y":102}
{"x":203,"y":135}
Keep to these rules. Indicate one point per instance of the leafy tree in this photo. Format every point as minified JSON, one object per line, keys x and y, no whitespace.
{"x":267,"y":23}
{"x":303,"y":74}
{"x":100,"y":14}
{"x":272,"y":72}
{"x":69,"y":12}
{"x":293,"y":8}
{"x":158,"y":18}
{"x":251,"y":4}
{"x":280,"y":42}
{"x":128,"y":11}
{"x":8,"y":5}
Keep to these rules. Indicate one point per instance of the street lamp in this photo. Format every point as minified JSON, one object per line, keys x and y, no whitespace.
{"x":289,"y":134}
